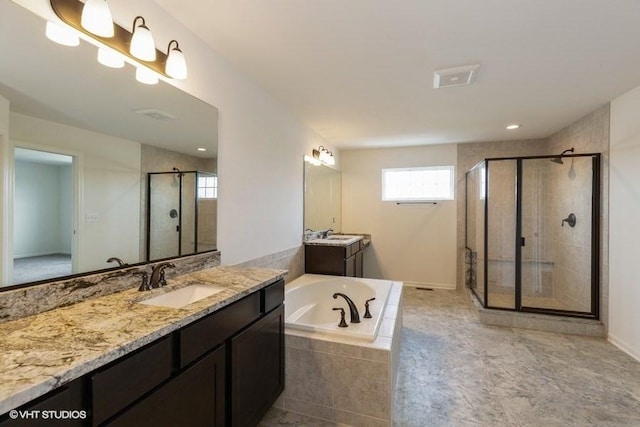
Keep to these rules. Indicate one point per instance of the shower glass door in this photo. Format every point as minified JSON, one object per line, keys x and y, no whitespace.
{"x":557,"y":234}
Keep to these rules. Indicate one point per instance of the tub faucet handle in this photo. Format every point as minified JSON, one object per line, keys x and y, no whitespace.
{"x":343,"y":323}
{"x":367,"y":313}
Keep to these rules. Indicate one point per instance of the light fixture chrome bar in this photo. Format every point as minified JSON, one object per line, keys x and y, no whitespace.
{"x":70,"y":12}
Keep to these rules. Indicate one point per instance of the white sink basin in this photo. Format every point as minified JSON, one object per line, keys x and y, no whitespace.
{"x":183,"y":296}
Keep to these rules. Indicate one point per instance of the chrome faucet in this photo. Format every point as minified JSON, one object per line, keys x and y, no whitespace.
{"x":157,"y":279}
{"x":120,"y":262}
{"x":353,"y":310}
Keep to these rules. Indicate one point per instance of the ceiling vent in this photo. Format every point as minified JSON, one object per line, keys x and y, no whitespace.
{"x":457,"y":76}
{"x":155,"y":114}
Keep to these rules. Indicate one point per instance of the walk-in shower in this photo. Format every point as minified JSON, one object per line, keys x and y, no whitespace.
{"x":181,"y":213}
{"x":532,"y":227}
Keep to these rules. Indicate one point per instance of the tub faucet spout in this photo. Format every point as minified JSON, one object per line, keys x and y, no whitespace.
{"x":353,"y":310}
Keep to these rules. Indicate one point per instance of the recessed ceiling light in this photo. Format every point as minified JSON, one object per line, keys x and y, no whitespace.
{"x":513,"y":126}
{"x":202,"y":149}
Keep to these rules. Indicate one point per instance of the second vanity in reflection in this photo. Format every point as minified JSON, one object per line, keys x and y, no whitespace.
{"x":336,"y":255}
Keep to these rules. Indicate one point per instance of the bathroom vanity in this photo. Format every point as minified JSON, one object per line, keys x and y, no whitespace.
{"x":216,"y":362}
{"x":337,"y":255}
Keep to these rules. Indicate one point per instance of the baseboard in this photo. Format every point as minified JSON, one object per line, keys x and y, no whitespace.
{"x":441,"y":286}
{"x":624,"y":347}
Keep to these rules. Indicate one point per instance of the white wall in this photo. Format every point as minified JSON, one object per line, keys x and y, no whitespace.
{"x":624,"y":211}
{"x":109,"y":186}
{"x":41,"y":221}
{"x":409,"y":243}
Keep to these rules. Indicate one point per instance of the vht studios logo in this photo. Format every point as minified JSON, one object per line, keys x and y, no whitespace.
{"x":48,"y":415}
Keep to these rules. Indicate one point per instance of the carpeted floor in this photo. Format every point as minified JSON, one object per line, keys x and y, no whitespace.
{"x":32,"y":269}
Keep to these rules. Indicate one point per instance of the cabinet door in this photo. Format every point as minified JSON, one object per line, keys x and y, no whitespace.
{"x":350,"y":266}
{"x":359,"y":264}
{"x":196,"y":397}
{"x":257,"y":365}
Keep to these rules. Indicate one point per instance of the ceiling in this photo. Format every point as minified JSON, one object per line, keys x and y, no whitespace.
{"x":360,"y":72}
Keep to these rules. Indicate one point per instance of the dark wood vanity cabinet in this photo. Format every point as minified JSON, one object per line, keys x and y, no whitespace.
{"x":224,"y":369}
{"x":194,"y":397}
{"x":334,"y":260}
{"x":257,"y":369}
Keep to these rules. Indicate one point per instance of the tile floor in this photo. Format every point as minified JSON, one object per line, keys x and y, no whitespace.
{"x":455,"y":371}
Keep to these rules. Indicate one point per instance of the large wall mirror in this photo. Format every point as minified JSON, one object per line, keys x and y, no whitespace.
{"x":80,"y":145}
{"x":322,"y":198}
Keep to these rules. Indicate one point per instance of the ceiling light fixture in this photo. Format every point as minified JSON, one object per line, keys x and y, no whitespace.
{"x":142,"y":44}
{"x":513,"y":126}
{"x":176,"y":66}
{"x":61,"y":34}
{"x":138,"y":46}
{"x":96,"y":18}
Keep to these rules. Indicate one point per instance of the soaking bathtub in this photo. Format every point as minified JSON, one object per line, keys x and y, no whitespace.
{"x":309,"y":304}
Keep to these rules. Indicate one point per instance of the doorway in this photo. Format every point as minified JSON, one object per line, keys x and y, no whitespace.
{"x":43,"y":212}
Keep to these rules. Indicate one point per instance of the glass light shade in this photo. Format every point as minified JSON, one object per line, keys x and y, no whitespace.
{"x":176,"y":66}
{"x":61,"y":34}
{"x":110,"y":58}
{"x":330,"y":160}
{"x":96,"y":18}
{"x":146,"y":76}
{"x":142,"y":44}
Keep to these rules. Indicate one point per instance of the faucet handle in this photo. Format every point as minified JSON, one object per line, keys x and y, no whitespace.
{"x":144,"y":286}
{"x":343,"y":323}
{"x":367,"y":313}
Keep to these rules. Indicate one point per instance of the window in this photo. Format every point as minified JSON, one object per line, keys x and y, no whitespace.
{"x":207,"y":187}
{"x":417,"y":184}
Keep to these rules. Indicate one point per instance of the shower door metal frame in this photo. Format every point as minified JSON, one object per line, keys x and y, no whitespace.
{"x":595,"y":238}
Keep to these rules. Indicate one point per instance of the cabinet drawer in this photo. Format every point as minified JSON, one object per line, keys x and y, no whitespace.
{"x":353,"y":248}
{"x":208,"y":333}
{"x":118,"y":385}
{"x":273,"y":296}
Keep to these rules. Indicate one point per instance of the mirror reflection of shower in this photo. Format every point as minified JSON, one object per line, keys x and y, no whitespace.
{"x":181,"y":213}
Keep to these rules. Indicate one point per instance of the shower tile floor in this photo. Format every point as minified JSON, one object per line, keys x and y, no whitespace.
{"x":455,"y":371}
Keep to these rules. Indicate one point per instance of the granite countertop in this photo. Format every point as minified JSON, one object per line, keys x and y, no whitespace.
{"x":44,"y":351}
{"x":339,"y":240}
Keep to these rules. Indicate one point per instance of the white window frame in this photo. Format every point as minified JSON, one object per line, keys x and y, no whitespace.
{"x":386,"y":197}
{"x":206,"y":187}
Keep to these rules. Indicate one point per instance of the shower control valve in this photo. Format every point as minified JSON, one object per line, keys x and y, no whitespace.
{"x":571,"y":220}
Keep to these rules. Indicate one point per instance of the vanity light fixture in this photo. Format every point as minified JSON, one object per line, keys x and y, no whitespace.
{"x":201,"y":149}
{"x":96,"y":18}
{"x":142,"y":44}
{"x":61,"y":34}
{"x":324,"y":156}
{"x":110,"y":58}
{"x":146,"y":76}
{"x":136,"y":47}
{"x":513,"y":126}
{"x":176,"y":66}
{"x":311,"y":160}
